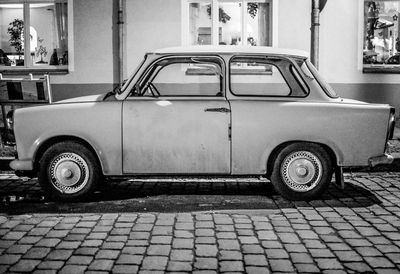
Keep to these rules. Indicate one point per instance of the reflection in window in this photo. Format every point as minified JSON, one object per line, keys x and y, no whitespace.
{"x":187,"y":79}
{"x":48,"y":34}
{"x":381,"y":35}
{"x":254,"y":29}
{"x":11,"y":35}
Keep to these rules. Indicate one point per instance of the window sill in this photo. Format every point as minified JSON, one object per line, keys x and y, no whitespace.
{"x":393,"y":69}
{"x":7,"y":70}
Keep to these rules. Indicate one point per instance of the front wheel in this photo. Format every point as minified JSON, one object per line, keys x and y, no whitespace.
{"x":69,"y":171}
{"x":302,"y":171}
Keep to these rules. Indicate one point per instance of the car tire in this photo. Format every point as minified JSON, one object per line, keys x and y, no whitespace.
{"x":302,"y":171}
{"x":69,"y":171}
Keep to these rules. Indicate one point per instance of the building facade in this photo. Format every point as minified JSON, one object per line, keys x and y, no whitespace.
{"x":77,"y":41}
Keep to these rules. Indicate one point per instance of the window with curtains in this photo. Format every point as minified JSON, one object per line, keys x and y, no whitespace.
{"x":381,"y":37}
{"x":230,"y":22}
{"x":45,"y":23}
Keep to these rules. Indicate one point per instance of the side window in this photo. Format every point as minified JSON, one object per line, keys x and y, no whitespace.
{"x":260,"y":76}
{"x":185,"y":77}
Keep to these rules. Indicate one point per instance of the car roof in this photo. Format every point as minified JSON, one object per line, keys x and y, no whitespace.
{"x":229,"y":50}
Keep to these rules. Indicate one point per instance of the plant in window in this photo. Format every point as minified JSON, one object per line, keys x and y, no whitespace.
{"x":41,"y":51}
{"x":252,"y":9}
{"x":223,"y":16}
{"x":15,"y":30}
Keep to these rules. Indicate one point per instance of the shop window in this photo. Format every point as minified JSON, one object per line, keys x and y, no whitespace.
{"x":381,"y":39}
{"x":232,"y":22}
{"x":46,"y":25}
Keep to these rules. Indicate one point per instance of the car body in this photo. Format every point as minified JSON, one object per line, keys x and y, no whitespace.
{"x":223,"y":111}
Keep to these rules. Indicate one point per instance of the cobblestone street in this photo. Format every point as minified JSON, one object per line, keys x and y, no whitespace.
{"x":203,"y":227}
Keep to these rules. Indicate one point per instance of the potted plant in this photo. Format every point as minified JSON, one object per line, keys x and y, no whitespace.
{"x":41,"y":51}
{"x":15,"y":30}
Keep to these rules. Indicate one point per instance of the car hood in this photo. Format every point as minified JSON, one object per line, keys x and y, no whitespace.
{"x":83,"y":99}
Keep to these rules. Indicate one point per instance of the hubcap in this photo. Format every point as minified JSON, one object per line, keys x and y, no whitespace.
{"x":69,"y":173}
{"x":301,"y":171}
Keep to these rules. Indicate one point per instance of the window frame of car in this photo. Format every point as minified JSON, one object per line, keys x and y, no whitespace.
{"x":302,"y":83}
{"x":148,"y":75}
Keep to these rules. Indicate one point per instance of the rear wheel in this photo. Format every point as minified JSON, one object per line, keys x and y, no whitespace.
{"x":302,"y":171}
{"x":69,"y":171}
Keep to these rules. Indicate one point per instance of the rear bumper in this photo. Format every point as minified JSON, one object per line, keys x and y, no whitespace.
{"x":21,"y":165}
{"x":384,"y":159}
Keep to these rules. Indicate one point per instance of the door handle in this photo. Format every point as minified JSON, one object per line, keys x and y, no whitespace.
{"x":224,"y":110}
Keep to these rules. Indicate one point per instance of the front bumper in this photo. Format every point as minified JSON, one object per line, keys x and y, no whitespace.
{"x":384,"y":159}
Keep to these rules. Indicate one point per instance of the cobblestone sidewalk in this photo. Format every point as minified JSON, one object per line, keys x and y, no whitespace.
{"x":350,"y":234}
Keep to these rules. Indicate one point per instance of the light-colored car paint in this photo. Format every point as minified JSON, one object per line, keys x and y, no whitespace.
{"x":165,"y":135}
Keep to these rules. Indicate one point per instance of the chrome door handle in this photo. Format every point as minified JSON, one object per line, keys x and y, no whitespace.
{"x":224,"y":110}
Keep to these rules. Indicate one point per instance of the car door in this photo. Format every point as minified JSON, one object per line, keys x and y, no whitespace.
{"x":177,"y":119}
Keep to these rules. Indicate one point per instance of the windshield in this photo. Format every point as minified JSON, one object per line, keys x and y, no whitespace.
{"x":313,"y":74}
{"x":127,"y":83}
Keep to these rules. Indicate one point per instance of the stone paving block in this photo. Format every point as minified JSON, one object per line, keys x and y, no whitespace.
{"x":14,"y":235}
{"x":18,"y":249}
{"x":379,"y":262}
{"x":161,"y":240}
{"x":25,"y":265}
{"x":37,"y":253}
{"x":101,"y":264}
{"x":107,"y":254}
{"x":9,"y":259}
{"x":281,"y":266}
{"x":53,"y":265}
{"x":330,"y":263}
{"x":162,"y":230}
{"x":228,"y":244}
{"x":321,"y":253}
{"x":183,"y":243}
{"x":301,"y":258}
{"x":252,"y":249}
{"x":68,"y":245}
{"x":205,"y":240}
{"x":358,"y":267}
{"x":48,"y":242}
{"x":183,"y":234}
{"x":92,"y":243}
{"x":125,"y":269}
{"x":129,"y":259}
{"x":271,"y":244}
{"x":206,"y":250}
{"x":255,"y":260}
{"x":206,"y":263}
{"x":139,"y":235}
{"x":276,"y":254}
{"x":76,"y":269}
{"x":230,"y":255}
{"x":307,"y":268}
{"x":137,"y":250}
{"x":155,"y":263}
{"x":231,"y":266}
{"x":181,"y":255}
{"x":80,"y":260}
{"x":162,"y":250}
{"x":257,"y":270}
{"x":86,"y":251}
{"x":59,"y":254}
{"x":179,"y":266}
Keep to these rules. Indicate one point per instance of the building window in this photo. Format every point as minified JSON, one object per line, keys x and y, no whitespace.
{"x":381,"y":39}
{"x":45,"y":23}
{"x":232,"y":22}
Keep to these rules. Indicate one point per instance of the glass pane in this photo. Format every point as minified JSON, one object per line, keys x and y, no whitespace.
{"x":257,"y":78}
{"x":200,"y":23}
{"x":381,"y":36}
{"x":188,"y":79}
{"x":230,"y":23}
{"x":49,"y":33}
{"x":258,"y":24}
{"x":11,"y":35}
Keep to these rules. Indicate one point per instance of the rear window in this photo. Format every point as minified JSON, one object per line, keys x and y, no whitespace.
{"x":261,"y":76}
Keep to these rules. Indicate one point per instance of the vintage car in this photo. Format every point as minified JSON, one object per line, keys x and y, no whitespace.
{"x":205,"y":111}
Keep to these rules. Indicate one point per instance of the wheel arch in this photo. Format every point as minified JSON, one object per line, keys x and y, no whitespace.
{"x":62,"y":138}
{"x":275,"y":152}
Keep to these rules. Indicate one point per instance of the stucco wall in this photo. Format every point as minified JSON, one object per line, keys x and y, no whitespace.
{"x":150,"y":24}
